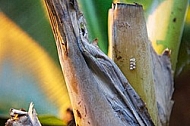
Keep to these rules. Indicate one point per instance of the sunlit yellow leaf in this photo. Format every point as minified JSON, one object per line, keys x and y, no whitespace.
{"x":28,"y":74}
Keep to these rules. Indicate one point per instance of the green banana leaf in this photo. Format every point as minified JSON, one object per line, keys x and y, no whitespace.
{"x":96,"y":14}
{"x":183,"y":65}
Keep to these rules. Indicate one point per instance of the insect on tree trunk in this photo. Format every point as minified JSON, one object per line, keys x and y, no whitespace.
{"x":148,"y":73}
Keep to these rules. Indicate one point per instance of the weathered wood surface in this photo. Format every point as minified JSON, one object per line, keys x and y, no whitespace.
{"x":100,"y":94}
{"x":164,"y":85}
{"x":23,"y":118}
{"x":148,"y":73}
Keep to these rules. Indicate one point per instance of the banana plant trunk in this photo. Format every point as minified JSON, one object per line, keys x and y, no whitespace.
{"x":100,"y":93}
{"x":148,"y":73}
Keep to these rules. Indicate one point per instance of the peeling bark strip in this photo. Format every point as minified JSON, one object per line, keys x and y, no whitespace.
{"x":164,"y":85}
{"x":100,"y":94}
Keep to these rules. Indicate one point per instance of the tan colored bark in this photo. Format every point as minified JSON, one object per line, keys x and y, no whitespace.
{"x":129,"y":41}
{"x":148,"y":73}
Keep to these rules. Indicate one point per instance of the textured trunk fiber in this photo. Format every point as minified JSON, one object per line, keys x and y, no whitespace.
{"x":130,"y":50}
{"x":99,"y":92}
